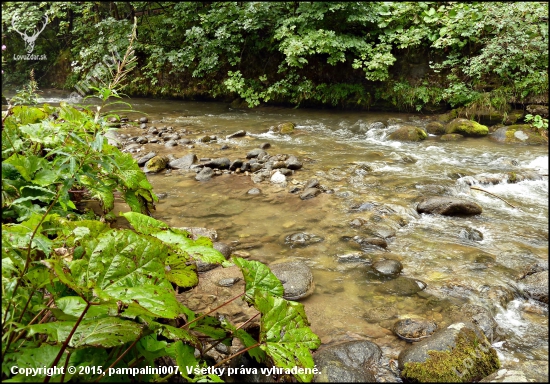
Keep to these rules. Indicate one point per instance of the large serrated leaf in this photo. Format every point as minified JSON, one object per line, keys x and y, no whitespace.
{"x":106,"y":332}
{"x":285,"y":334}
{"x":143,"y":223}
{"x":126,"y":259}
{"x":158,"y":300}
{"x":258,"y":277}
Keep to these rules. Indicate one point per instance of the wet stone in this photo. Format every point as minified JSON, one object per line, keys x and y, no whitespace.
{"x":470,"y":234}
{"x":254,"y":191}
{"x":240,"y":133}
{"x":302,"y":239}
{"x":402,"y":286}
{"x":414,"y":329}
{"x":144,"y":120}
{"x":265,"y":146}
{"x":387,"y":267}
{"x":310,"y":193}
{"x":228,"y":282}
{"x":170,"y":143}
{"x":205,"y":174}
{"x":256,"y":153}
{"x":143,"y":126}
{"x":296,"y":278}
{"x":142,"y":160}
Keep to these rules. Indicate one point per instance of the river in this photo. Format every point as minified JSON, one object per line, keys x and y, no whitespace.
{"x":367,"y":176}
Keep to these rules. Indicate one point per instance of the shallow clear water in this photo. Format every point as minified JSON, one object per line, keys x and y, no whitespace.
{"x":359,"y":165}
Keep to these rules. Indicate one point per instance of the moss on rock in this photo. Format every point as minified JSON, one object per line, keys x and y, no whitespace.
{"x":519,"y":134}
{"x":286,"y":128}
{"x":156,"y":164}
{"x":467,"y":128}
{"x":408,"y":133}
{"x":470,"y":360}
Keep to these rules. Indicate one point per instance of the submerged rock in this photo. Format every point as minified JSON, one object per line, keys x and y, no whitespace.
{"x":402,"y":286}
{"x":449,"y":206}
{"x":296,"y":278}
{"x":302,"y":239}
{"x":458,"y":353}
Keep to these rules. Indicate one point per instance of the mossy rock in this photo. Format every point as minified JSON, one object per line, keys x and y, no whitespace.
{"x":519,"y":134}
{"x":446,"y":117}
{"x":156,"y":164}
{"x":286,"y":128}
{"x":514,"y":116}
{"x":451,"y":137}
{"x":435,"y":128}
{"x":467,"y":128}
{"x":486,"y":115}
{"x":458,"y":353}
{"x":408,"y":133}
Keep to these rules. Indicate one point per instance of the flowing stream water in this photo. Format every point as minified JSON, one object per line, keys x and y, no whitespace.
{"x":370,"y":177}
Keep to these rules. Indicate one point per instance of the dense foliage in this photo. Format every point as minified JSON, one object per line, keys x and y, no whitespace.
{"x":408,"y":55}
{"x":90,"y":299}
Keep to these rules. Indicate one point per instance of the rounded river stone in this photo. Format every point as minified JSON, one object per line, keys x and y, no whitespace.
{"x":296,"y":278}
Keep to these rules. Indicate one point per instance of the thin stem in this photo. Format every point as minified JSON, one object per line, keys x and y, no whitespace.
{"x":237,"y":354}
{"x":214,"y":310}
{"x":66,"y":343}
{"x":65,"y":367}
{"x":29,"y":248}
{"x":492,"y":194}
{"x":119,"y":358}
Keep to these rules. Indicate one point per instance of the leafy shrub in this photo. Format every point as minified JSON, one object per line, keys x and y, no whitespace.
{"x":77,"y":292}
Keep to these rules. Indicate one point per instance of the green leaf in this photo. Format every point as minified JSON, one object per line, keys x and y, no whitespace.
{"x":144,"y":224}
{"x":74,"y":305}
{"x":210,"y":326}
{"x":124,"y":258}
{"x":106,"y":332}
{"x":151,"y":348}
{"x":40,"y":357}
{"x":258,"y":277}
{"x":285,"y":334}
{"x":161,"y":301}
{"x":181,"y":272}
{"x":184,"y":355}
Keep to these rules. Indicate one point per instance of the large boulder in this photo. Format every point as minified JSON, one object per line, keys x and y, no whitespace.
{"x":467,"y":128}
{"x":348,"y":362}
{"x":458,"y":353}
{"x":449,"y":206}
{"x":435,"y":128}
{"x":296,"y":278}
{"x":408,"y":133}
{"x":518,"y":134}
